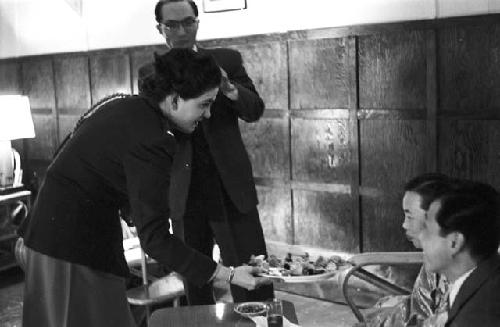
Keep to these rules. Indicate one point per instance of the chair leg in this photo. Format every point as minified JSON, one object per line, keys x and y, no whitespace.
{"x":148,"y":313}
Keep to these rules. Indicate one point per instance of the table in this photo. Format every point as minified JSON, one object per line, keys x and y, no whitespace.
{"x":220,"y":314}
{"x":8,"y":228}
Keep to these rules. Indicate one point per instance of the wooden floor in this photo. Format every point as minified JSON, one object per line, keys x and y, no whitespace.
{"x":11,"y":297}
{"x":310,"y":312}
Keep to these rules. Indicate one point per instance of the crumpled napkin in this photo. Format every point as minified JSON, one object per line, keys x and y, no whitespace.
{"x":261,"y":321}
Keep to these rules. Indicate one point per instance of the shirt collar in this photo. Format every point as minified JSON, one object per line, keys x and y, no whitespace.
{"x":457,"y":284}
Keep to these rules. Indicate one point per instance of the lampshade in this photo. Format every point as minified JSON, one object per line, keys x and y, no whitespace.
{"x":15,"y":118}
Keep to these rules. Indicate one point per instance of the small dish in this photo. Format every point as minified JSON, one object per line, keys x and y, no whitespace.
{"x":251,"y":309}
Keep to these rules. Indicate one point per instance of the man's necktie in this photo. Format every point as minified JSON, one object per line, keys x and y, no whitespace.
{"x":439,"y":318}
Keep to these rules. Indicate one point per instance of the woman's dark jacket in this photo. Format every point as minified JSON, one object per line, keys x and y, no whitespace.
{"x":120,"y":155}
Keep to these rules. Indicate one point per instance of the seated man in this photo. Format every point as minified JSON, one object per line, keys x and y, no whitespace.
{"x":460,"y":240}
{"x":428,"y":289}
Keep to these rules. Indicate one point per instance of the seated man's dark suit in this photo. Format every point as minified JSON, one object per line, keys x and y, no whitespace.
{"x":478,"y":300}
{"x":221,"y":201}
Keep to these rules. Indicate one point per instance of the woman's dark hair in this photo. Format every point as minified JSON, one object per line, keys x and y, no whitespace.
{"x":182,"y":71}
{"x":429,"y":186}
{"x":161,"y":3}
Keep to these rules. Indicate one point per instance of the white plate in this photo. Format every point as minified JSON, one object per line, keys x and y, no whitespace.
{"x":240,"y":309}
{"x":301,"y":279}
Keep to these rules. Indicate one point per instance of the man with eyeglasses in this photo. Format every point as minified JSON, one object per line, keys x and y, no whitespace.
{"x":214,"y":194}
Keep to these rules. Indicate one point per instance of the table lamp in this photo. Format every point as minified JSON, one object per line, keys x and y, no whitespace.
{"x":15,"y":123}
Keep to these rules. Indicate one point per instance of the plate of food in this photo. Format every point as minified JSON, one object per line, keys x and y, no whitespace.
{"x":298,"y":269}
{"x":251,"y":309}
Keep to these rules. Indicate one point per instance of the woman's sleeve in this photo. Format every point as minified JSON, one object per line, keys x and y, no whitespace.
{"x":147,"y":171}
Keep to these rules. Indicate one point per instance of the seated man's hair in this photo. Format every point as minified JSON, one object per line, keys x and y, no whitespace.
{"x":473,"y":209}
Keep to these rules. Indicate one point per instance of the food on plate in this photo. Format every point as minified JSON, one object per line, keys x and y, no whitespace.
{"x":251,"y":309}
{"x":301,"y":265}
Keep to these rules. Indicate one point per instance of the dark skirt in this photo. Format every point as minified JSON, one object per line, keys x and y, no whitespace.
{"x":62,"y":294}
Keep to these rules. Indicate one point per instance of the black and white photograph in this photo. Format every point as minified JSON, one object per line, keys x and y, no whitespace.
{"x":260,"y":163}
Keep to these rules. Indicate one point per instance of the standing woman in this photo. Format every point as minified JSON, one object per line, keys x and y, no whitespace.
{"x":119,"y":155}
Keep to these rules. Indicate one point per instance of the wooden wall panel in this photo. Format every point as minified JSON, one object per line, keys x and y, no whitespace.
{"x":268,"y":146}
{"x":318,"y":74}
{"x":10,"y":77}
{"x":266,"y":64}
{"x":72,"y":84}
{"x":469,"y":64}
{"x":382,"y":224}
{"x":323,"y":219}
{"x":140,"y":57}
{"x":392,"y":70}
{"x":321,"y":150}
{"x":275,"y":213}
{"x":471,"y":149}
{"x":392,"y":151}
{"x":66,"y":125}
{"x":38,"y":84}
{"x":413,"y":75}
{"x":43,"y":146}
{"x":109,"y":73}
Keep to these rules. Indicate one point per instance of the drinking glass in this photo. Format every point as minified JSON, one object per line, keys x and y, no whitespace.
{"x":275,"y":313}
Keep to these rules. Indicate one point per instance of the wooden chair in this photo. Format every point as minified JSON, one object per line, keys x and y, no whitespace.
{"x":154,"y":290}
{"x":359,"y":261}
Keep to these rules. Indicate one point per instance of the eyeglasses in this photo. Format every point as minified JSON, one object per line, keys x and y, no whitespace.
{"x":175,"y":25}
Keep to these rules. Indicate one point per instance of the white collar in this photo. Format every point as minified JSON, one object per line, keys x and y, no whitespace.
{"x":457,"y":284}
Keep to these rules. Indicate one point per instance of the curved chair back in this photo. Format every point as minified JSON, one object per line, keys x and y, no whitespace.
{"x":359,"y":261}
{"x":20,"y":253}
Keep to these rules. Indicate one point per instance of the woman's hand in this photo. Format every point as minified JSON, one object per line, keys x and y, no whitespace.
{"x":243,"y":276}
{"x":247,"y":277}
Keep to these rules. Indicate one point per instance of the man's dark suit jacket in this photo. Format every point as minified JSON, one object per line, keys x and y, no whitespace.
{"x":223,"y":136}
{"x":478,"y":300}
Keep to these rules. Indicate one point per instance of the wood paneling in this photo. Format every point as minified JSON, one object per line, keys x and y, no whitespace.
{"x":109,"y":74}
{"x":318,"y":74}
{"x":275,"y":213}
{"x":10,"y":77}
{"x":469,"y":63}
{"x":266,"y":64}
{"x":372,"y":106}
{"x":43,"y":146}
{"x":38,"y":83}
{"x":72,"y":84}
{"x":320,"y":150}
{"x":471,"y":149}
{"x":392,"y":70}
{"x":324,"y":220}
{"x":382,"y":224}
{"x":268,"y":146}
{"x":391,"y":152}
{"x":140,"y":57}
{"x":66,"y":125}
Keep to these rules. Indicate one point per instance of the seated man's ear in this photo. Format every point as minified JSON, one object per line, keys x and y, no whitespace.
{"x":175,"y":100}
{"x":457,"y":242}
